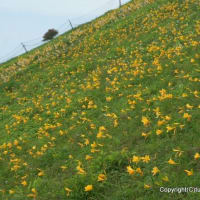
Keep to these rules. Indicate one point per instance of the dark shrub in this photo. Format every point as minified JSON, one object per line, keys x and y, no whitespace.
{"x":50,"y":34}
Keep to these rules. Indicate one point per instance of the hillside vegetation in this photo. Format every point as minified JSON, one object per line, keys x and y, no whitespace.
{"x":107,"y":111}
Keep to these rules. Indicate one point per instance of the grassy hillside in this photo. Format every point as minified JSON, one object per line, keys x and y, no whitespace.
{"x":108,"y":111}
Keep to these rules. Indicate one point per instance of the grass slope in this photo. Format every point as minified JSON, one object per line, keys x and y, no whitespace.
{"x":109,"y":111}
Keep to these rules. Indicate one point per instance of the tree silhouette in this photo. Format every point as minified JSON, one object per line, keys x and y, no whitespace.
{"x":50,"y":34}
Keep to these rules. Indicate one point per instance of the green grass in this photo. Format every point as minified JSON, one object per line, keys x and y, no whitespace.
{"x":99,"y":100}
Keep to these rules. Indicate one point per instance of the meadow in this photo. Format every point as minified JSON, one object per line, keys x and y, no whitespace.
{"x":107,"y":111}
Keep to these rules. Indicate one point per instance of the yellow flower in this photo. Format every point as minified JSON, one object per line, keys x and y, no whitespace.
{"x":169,"y":128}
{"x":63,"y":168}
{"x":155,"y":171}
{"x":196,"y":93}
{"x":80,"y":170}
{"x":178,"y":152}
{"x":139,"y":171}
{"x":135,"y":159}
{"x":115,"y":123}
{"x":189,"y":173}
{"x":100,"y":135}
{"x":171,"y":162}
{"x":34,"y":193}
{"x":94,"y":150}
{"x":146,"y":158}
{"x":196,"y":156}
{"x":160,"y":122}
{"x":167,"y":117}
{"x":61,"y":132}
{"x":184,"y":95}
{"x":41,"y":173}
{"x":9,"y":145}
{"x":88,"y":188}
{"x":93,"y":145}
{"x":147,"y":186}
{"x":33,"y":190}
{"x":92,"y":126}
{"x":68,"y":191}
{"x":88,"y":157}
{"x":86,"y":142}
{"x":145,"y":135}
{"x":15,"y":142}
{"x":11,"y":191}
{"x":130,"y":170}
{"x":187,"y":116}
{"x":101,"y":177}
{"x":145,"y":121}
{"x":24,"y":183}
{"x":165,"y":178}
{"x":158,"y":132}
{"x":102,"y":128}
{"x":108,"y":99}
{"x":189,"y":106}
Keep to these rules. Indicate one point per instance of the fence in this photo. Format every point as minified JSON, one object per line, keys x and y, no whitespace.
{"x":26,"y":46}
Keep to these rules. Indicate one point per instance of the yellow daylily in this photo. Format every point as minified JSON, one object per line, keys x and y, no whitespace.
{"x":189,"y":173}
{"x":88,"y":188}
{"x":101,"y":177}
{"x":130,"y":170}
{"x":196,"y":156}
{"x":171,"y":162}
{"x":145,"y":121}
{"x":155,"y":171}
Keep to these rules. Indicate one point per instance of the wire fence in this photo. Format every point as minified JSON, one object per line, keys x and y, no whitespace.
{"x":26,"y":46}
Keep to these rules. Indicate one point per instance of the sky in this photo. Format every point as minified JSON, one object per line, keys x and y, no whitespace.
{"x":26,"y":22}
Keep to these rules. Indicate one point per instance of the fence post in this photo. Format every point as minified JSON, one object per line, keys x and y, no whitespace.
{"x":120,"y":3}
{"x":24,"y":47}
{"x":71,"y":24}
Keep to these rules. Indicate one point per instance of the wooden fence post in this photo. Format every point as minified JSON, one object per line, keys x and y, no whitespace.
{"x":71,"y":24}
{"x":24,"y":47}
{"x":120,"y":3}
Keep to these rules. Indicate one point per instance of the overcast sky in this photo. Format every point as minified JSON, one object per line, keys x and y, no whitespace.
{"x":25,"y":20}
